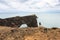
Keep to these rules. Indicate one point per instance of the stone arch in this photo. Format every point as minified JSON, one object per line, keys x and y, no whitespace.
{"x":17,"y":21}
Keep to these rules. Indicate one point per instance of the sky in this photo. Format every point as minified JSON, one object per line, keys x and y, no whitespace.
{"x":48,"y":11}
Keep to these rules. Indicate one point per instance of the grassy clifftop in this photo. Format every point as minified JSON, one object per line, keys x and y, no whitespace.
{"x":37,"y":33}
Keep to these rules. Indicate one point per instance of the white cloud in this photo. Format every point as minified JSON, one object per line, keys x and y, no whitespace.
{"x":51,"y":2}
{"x":29,"y":5}
{"x":3,"y":7}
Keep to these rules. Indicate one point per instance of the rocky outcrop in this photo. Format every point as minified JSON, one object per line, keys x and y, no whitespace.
{"x":17,"y":21}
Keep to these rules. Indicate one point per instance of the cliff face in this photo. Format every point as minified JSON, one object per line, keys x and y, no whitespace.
{"x":37,"y":33}
{"x":17,"y":21}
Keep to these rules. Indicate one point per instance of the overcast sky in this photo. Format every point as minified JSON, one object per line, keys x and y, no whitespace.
{"x":48,"y":11}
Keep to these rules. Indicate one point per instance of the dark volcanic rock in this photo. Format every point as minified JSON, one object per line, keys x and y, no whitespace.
{"x":17,"y":21}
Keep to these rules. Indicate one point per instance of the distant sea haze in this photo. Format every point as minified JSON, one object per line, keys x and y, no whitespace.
{"x":50,"y":19}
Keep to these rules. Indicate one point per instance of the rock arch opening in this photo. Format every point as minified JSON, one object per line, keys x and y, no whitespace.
{"x":23,"y":26}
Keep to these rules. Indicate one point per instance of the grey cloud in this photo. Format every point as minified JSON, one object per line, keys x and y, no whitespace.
{"x":22,"y":1}
{"x":58,"y":2}
{"x":3,"y":2}
{"x":58,"y":5}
